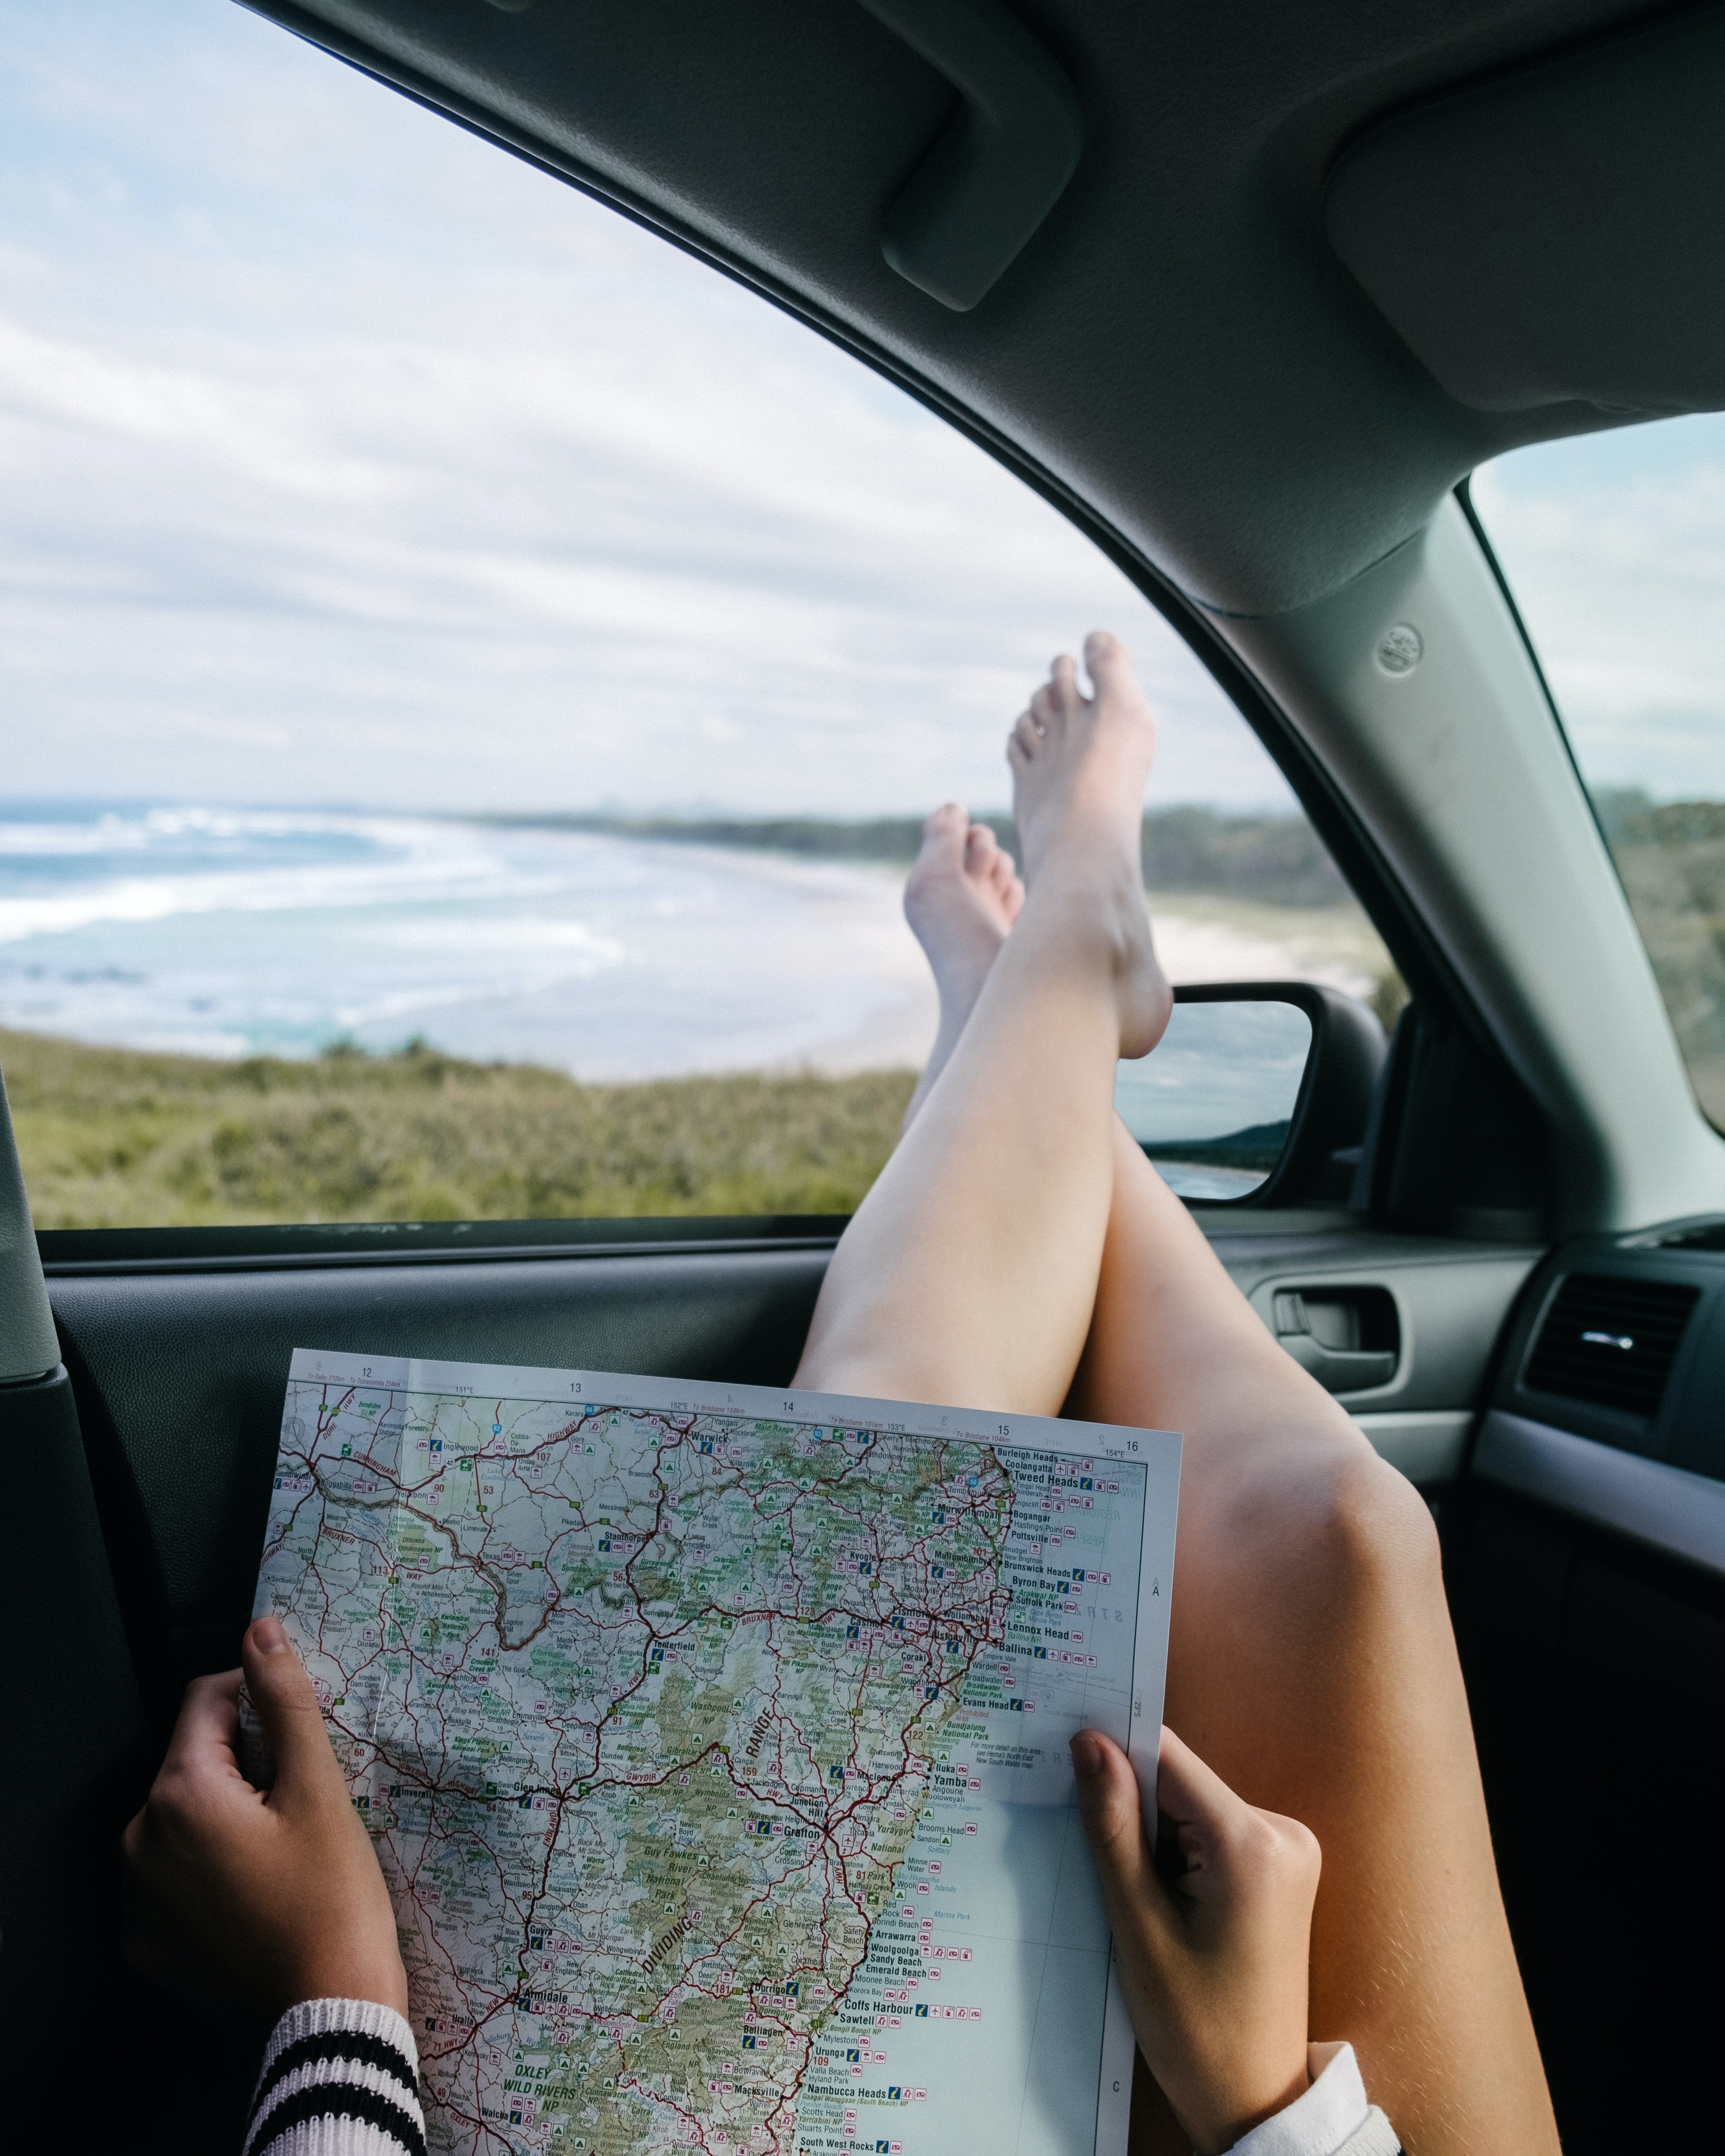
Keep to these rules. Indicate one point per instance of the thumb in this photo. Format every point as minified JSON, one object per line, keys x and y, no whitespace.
{"x":1113,"y":1819}
{"x":306,"y":1764}
{"x":1219,"y":1832}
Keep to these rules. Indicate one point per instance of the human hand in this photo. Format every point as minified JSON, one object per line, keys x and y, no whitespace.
{"x":276,"y":1896}
{"x":1213,"y":1963}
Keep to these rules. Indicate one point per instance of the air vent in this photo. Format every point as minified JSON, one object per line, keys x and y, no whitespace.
{"x":1610,"y":1340}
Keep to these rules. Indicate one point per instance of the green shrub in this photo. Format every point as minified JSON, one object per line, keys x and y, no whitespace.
{"x":112,"y":1137}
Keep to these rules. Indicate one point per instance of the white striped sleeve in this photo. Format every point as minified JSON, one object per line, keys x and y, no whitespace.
{"x":1331,"y":2119}
{"x":340,"y":2078}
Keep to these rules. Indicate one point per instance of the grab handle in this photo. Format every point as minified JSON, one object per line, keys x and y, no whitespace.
{"x":996,"y":171}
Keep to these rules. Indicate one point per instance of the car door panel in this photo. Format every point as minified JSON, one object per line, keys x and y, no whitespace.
{"x":180,"y":1378}
{"x":1587,"y":1580}
{"x":180,"y":1375}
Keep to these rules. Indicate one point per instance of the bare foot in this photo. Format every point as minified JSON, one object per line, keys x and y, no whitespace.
{"x":1078,"y":766}
{"x":961,"y":899}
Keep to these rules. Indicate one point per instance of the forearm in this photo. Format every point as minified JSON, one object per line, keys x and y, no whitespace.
{"x":340,"y":2078}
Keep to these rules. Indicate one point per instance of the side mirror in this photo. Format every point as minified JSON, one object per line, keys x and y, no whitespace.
{"x":1255,"y":1091}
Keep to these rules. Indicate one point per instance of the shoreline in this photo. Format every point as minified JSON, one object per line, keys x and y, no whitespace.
{"x":615,"y":960}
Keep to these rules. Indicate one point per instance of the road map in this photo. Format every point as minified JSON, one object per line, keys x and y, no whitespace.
{"x":713,"y":1742}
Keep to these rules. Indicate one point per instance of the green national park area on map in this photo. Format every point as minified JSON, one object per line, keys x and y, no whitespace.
{"x":712,"y":1742}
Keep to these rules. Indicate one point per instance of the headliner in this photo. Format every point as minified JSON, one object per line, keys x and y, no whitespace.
{"x":1178,"y":348}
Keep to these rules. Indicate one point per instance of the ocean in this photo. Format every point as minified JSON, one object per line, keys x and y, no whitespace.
{"x":228,"y":931}
{"x":224,"y":931}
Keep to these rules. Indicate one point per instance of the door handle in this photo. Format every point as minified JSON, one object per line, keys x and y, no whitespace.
{"x":1337,"y":1369}
{"x":998,"y":167}
{"x":1341,"y":1369}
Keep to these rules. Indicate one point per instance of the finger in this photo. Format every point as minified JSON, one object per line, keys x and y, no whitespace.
{"x":306,"y":1764}
{"x":207,"y":1724}
{"x":1113,"y":1819}
{"x":1229,"y":1845}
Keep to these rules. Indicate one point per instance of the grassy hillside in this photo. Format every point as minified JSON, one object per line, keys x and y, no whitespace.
{"x":113,"y":1138}
{"x":1672,"y":859}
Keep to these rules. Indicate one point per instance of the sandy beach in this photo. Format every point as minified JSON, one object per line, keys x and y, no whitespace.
{"x":1197,"y":938}
{"x":226,"y":933}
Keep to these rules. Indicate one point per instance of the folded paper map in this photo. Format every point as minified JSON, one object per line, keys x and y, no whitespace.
{"x":713,"y":1743}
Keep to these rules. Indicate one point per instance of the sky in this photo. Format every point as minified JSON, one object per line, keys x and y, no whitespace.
{"x":344,"y":459}
{"x":1615,"y":547}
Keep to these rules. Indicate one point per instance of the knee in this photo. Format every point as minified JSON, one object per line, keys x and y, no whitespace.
{"x":1341,"y":1528}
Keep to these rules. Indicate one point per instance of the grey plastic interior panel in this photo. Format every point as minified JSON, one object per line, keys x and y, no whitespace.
{"x":1000,"y":163}
{"x":1178,"y":347}
{"x":1557,"y":234}
{"x":180,"y":1378}
{"x":1452,"y":1300}
{"x":1687,"y":1430}
{"x":1455,"y":765}
{"x":1663,"y":1508}
{"x":1427,"y":1447}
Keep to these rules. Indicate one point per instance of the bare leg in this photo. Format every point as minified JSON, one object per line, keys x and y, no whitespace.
{"x":969,"y":1272}
{"x":961,"y":898}
{"x":1312,"y":1664}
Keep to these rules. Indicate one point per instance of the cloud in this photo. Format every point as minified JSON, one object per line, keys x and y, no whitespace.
{"x":346,"y":459}
{"x":1615,"y":547}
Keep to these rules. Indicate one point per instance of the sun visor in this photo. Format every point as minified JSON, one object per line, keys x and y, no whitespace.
{"x":1558,"y":234}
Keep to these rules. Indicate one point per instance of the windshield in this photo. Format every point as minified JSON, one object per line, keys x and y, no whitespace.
{"x":1614,"y":549}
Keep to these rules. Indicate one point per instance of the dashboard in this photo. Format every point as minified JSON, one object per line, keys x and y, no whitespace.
{"x":1609,"y":1401}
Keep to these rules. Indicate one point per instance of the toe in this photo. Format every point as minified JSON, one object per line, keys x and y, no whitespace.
{"x":1062,"y":688}
{"x":981,"y":850}
{"x":1047,"y":711}
{"x":1107,"y":660}
{"x":940,"y":855}
{"x":1021,"y":743}
{"x":944,"y":831}
{"x":1007,"y":891}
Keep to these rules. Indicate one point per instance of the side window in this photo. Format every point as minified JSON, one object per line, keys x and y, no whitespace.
{"x":1615,"y":547}
{"x":474,"y":677}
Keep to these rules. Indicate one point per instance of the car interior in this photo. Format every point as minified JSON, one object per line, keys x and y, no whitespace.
{"x":1248,"y":293}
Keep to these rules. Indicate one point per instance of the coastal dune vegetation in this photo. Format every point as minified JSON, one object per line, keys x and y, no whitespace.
{"x":113,"y":1138}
